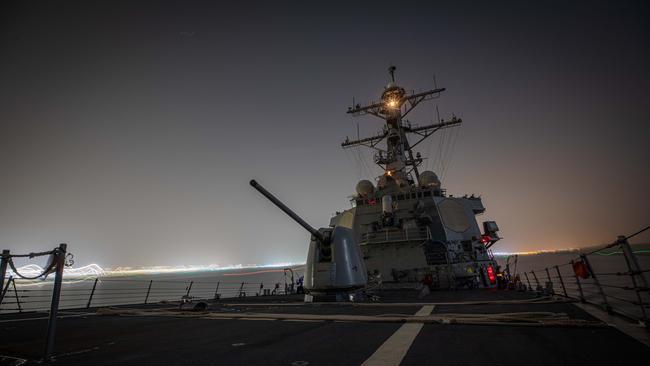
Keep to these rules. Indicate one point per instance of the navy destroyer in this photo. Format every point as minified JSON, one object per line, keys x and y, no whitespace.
{"x":409,"y":231}
{"x":378,"y":261}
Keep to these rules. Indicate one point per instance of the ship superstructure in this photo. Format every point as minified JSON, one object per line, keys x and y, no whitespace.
{"x":410,"y":231}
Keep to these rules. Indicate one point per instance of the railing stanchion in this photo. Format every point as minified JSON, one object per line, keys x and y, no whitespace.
{"x":4,"y":260}
{"x":20,"y":308}
{"x":635,"y":274}
{"x":5,"y":289}
{"x":582,"y":295}
{"x":535,"y":276}
{"x":56,"y":295}
{"x":189,"y":288}
{"x":146,"y":299}
{"x":241,"y":288}
{"x":216,"y":291}
{"x":92,"y":292}
{"x":528,"y":280}
{"x":559,"y":275}
{"x":548,"y":275}
{"x":597,"y":283}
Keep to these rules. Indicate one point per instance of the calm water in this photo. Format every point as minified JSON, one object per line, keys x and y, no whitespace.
{"x":117,"y":290}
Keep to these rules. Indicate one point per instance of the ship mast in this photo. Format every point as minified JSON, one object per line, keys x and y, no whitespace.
{"x":397,"y":160}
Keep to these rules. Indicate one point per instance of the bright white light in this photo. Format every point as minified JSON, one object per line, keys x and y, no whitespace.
{"x":32,"y":270}
{"x":94,"y":270}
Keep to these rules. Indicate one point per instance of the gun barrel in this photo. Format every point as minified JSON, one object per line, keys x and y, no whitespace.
{"x":287,"y":210}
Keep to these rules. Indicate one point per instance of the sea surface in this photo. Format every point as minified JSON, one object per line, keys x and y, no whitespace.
{"x":151,"y":286}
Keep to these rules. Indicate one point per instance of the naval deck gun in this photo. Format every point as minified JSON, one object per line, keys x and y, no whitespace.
{"x":335,"y":265}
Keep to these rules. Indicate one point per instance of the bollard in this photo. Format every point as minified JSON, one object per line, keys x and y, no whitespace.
{"x":561,"y":281}
{"x":148,"y":291}
{"x":92,"y":292}
{"x":56,"y":294}
{"x":597,"y":283}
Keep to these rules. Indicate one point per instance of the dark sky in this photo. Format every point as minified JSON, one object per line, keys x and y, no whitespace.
{"x":130,"y":129}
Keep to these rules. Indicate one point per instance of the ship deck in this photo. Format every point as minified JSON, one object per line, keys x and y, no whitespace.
{"x":400,"y":329}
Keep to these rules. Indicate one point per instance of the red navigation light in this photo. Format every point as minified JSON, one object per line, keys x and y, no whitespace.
{"x":428,"y":280}
{"x":485,"y":239}
{"x":490,"y":272}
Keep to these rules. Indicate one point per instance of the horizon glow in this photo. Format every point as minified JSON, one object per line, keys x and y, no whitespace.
{"x":95,"y":270}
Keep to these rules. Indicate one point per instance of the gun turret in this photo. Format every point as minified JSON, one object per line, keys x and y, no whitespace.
{"x":335,"y":265}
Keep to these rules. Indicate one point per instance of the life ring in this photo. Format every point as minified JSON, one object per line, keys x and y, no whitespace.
{"x":580,"y":269}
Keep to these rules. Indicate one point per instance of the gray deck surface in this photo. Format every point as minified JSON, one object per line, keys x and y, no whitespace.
{"x":138,"y":340}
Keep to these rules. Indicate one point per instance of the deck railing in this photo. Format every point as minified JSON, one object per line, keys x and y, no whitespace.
{"x":619,"y":287}
{"x":392,"y":235}
{"x":22,"y":296}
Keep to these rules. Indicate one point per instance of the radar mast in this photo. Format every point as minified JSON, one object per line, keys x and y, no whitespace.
{"x":397,"y":159}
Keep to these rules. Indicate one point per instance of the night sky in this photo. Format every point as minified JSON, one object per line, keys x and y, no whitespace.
{"x":130,"y":130}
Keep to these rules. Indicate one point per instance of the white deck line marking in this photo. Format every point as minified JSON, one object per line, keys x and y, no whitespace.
{"x":46,"y":317}
{"x":390,"y":304}
{"x":302,"y":320}
{"x":393,"y":350}
{"x":636,"y":331}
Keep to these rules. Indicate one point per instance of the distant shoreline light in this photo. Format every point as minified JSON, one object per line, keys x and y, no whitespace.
{"x":536,"y":252}
{"x":95,"y":270}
